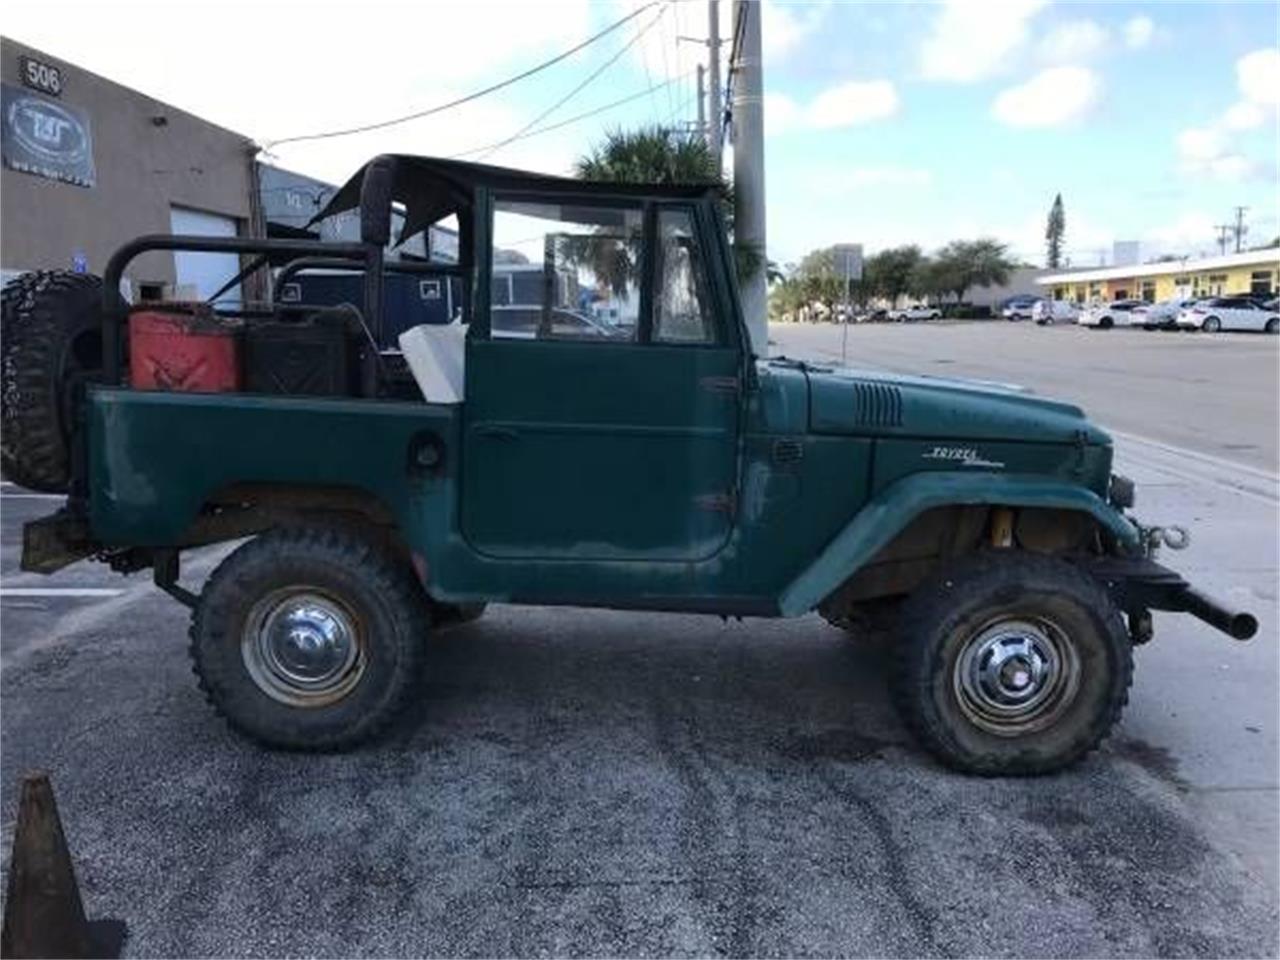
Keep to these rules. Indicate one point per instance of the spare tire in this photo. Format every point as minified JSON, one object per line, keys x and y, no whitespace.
{"x":50,"y":329}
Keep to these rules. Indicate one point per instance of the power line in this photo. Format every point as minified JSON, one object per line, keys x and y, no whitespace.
{"x":365,"y":128}
{"x":578,"y":89}
{"x":574,"y":119}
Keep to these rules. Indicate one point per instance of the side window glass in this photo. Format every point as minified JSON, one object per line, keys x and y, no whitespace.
{"x":681,"y":311}
{"x":565,"y":272}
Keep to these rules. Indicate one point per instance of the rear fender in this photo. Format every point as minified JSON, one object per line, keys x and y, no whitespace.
{"x":890,"y":511}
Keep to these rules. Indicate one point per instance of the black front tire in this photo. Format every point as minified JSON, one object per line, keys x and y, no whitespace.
{"x":954,"y":620}
{"x":372,"y":597}
{"x":51,"y":323}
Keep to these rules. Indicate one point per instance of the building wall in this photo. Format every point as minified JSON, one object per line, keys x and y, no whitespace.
{"x":1247,"y":278}
{"x":148,"y":156}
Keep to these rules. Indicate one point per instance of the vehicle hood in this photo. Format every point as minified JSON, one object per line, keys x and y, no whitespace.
{"x":871,"y":402}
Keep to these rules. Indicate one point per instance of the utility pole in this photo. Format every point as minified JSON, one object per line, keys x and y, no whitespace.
{"x":1240,"y":229}
{"x":713,"y":78}
{"x":1223,"y":229}
{"x":748,"y":167}
{"x":702,"y":105}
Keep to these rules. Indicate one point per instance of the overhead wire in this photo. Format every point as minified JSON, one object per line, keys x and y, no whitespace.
{"x":570,"y":120}
{"x":492,"y":88}
{"x":579,"y":88}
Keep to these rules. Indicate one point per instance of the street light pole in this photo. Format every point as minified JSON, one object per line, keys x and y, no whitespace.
{"x":748,"y":168}
{"x":702,"y":105}
{"x":713,"y":78}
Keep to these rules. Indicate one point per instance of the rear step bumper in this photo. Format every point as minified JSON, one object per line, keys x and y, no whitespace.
{"x":1139,"y":585}
{"x":56,"y":541}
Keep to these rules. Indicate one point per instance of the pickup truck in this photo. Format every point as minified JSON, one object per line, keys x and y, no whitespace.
{"x":670,"y":466}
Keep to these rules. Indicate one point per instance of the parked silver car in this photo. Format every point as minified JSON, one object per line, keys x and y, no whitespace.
{"x":1162,"y":315}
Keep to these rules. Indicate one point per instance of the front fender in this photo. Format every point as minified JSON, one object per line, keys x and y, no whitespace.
{"x":897,"y":505}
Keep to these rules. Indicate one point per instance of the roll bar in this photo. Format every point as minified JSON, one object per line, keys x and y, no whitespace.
{"x":375,"y":233}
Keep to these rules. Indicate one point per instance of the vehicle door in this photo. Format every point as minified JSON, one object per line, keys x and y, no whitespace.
{"x":607,"y":428}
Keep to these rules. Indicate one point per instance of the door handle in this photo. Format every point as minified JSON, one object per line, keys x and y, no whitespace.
{"x":497,"y":433}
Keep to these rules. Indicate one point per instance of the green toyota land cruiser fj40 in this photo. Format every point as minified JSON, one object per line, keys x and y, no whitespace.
{"x":593,"y":430}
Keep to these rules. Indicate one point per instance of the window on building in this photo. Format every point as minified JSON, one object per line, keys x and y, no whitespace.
{"x":570,"y":272}
{"x":682,"y":312}
{"x":1260,"y":283}
{"x":1149,"y":291}
{"x":1120,"y":293}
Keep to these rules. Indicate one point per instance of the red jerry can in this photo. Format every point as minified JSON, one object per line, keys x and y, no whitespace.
{"x":183,"y":347}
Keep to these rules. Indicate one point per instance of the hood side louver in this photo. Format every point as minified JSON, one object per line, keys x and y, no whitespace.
{"x":877,"y":405}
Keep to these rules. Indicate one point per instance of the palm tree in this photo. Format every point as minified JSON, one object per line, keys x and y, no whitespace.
{"x":659,"y":155}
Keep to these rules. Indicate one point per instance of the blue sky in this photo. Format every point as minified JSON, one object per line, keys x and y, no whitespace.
{"x":888,"y":122}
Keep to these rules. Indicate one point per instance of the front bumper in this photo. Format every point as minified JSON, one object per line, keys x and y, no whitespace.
{"x":1139,"y":585}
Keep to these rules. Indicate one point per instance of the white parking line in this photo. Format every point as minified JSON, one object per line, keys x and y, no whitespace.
{"x":59,"y":592}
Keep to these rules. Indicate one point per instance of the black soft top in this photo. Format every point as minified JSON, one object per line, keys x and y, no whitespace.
{"x":431,"y":188}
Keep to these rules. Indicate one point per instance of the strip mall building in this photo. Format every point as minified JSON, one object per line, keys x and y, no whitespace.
{"x":1253,"y":271}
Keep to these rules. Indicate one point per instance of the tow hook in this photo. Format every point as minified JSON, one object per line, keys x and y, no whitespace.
{"x":1174,"y":537}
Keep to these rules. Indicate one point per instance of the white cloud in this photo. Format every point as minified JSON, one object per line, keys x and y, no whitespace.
{"x":973,"y":39}
{"x":1245,"y":115}
{"x":1138,"y":32}
{"x":1204,"y":151}
{"x":781,"y":114}
{"x":846,"y":105}
{"x":1199,"y":144}
{"x":853,"y":103}
{"x":1051,"y":98}
{"x":783,"y":28}
{"x":1074,"y":41}
{"x":1258,"y":75}
{"x":1208,"y":151}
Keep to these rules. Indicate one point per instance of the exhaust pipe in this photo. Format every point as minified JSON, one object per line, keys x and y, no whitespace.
{"x":1235,"y":624}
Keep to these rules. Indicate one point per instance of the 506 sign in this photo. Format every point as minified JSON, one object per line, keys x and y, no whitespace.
{"x":41,"y":76}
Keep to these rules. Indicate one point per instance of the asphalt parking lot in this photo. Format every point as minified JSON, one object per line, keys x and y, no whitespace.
{"x":594,"y":783}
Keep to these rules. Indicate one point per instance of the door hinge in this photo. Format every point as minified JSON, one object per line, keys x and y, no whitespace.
{"x":720,"y":384}
{"x":717,"y":502}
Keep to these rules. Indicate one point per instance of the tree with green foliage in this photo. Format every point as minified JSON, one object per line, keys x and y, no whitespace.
{"x":929,"y":280}
{"x":973,"y":263}
{"x":1054,"y":231}
{"x":888,"y":273}
{"x":660,"y":155}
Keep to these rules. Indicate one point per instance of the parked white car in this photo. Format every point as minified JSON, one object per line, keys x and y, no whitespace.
{"x":916,"y":313}
{"x":1104,"y":316}
{"x":1164,"y":314}
{"x":1229,"y":313}
{"x":1055,"y":311}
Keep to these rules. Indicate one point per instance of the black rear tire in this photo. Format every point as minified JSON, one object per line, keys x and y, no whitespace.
{"x":50,"y":329}
{"x":981,"y":715}
{"x":315,"y":584}
{"x":1273,"y":325}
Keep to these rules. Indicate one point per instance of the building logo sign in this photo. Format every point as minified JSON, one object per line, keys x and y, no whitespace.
{"x":45,"y":138}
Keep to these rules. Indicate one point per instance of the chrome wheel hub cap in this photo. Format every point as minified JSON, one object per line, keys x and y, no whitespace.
{"x":1016,"y":676}
{"x":302,"y":648}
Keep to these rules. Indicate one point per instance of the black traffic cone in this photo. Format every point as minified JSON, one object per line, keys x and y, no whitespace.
{"x":43,"y":913}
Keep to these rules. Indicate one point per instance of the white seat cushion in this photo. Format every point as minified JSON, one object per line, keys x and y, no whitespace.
{"x":436,"y":354}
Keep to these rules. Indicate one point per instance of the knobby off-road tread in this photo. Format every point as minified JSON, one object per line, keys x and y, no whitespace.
{"x":996,"y":574}
{"x":41,"y":315}
{"x":232,"y":589}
